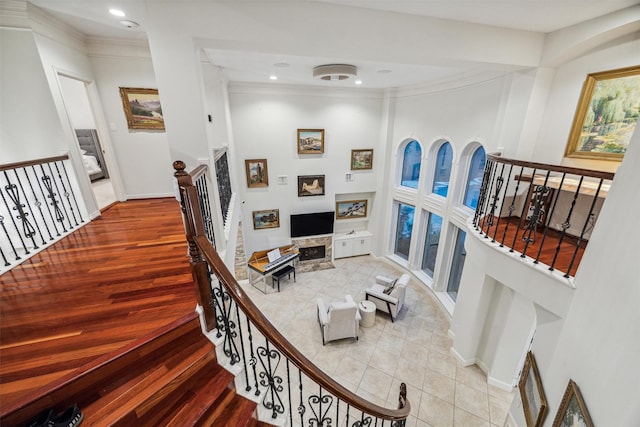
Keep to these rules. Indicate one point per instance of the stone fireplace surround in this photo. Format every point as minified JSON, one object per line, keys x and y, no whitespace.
{"x":315,"y":264}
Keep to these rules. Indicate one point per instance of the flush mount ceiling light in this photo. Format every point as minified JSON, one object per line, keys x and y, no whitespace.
{"x":129,"y":24}
{"x":332,"y":72}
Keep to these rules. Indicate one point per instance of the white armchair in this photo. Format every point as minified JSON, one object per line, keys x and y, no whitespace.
{"x":338,"y":320}
{"x":392,"y":300}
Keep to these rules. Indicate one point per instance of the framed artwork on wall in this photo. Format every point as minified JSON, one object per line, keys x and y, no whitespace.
{"x":257,"y":173}
{"x":310,"y":185}
{"x":572,"y":411}
{"x":362,"y":159}
{"x":606,"y":116}
{"x":266,"y":219}
{"x":534,"y":402}
{"x":142,"y":108}
{"x":310,"y":141}
{"x":351,"y":209}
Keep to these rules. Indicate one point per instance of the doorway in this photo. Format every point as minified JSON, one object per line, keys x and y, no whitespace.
{"x":78,"y":106}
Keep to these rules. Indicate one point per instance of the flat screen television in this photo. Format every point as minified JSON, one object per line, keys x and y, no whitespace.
{"x":311,"y":224}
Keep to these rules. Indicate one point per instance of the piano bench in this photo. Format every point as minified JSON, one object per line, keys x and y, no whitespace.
{"x":285,"y":271}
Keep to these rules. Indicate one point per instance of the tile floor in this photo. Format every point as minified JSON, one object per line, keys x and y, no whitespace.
{"x":414,"y":349}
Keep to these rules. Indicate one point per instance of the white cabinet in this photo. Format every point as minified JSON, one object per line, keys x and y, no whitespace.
{"x":346,"y":245}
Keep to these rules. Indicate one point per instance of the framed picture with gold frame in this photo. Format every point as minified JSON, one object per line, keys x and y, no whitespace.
{"x":534,"y":402}
{"x":362,"y":159}
{"x":257,"y":173}
{"x":266,"y":219}
{"x":310,"y":141}
{"x":351,"y":209}
{"x":572,"y":409}
{"x":606,"y":116}
{"x":142,"y":108}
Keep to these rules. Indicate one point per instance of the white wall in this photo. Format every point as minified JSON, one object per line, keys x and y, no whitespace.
{"x":265,"y":123}
{"x":142,"y":155}
{"x":29,"y":122}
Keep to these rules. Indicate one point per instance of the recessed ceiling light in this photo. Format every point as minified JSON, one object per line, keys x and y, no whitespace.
{"x":273,"y":77}
{"x":117,"y":12}
{"x":358,"y":82}
{"x":281,"y":65}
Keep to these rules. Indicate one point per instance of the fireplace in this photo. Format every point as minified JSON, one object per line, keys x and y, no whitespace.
{"x":312,"y":252}
{"x":315,"y":253}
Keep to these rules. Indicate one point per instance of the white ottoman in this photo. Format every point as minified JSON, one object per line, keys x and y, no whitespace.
{"x":367,"y":313}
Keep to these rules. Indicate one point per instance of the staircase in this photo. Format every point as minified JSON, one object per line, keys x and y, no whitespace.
{"x":171,"y":378}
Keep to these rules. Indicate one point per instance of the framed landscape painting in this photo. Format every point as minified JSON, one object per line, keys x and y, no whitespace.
{"x":606,"y":116}
{"x":142,"y":108}
{"x":351,"y":209}
{"x":572,"y":412}
{"x":266,"y":219}
{"x":257,"y":173}
{"x":310,"y":141}
{"x":534,"y":402}
{"x":362,"y":159}
{"x":310,"y":185}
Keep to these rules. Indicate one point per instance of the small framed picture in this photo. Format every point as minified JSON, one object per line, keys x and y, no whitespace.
{"x":350,"y":209}
{"x":142,"y":108}
{"x":310,"y":185}
{"x":266,"y":219}
{"x":257,"y":174}
{"x":310,"y":141}
{"x":362,"y":159}
{"x":534,"y":402}
{"x":572,"y":411}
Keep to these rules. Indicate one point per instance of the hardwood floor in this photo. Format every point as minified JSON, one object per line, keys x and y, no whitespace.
{"x":512,"y":233}
{"x":112,"y":281}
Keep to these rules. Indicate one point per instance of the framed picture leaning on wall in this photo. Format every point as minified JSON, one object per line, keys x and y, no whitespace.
{"x":351,"y":209}
{"x":606,"y":116}
{"x":534,"y":402}
{"x":572,"y":411}
{"x":142,"y":108}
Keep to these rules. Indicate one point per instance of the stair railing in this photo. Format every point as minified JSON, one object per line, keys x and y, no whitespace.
{"x":544,"y":212}
{"x":38,"y":206}
{"x":287,"y":385}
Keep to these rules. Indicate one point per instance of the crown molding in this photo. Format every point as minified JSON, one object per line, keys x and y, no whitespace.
{"x":13,"y":14}
{"x":302,"y":90}
{"x":117,"y":47}
{"x":52,"y":28}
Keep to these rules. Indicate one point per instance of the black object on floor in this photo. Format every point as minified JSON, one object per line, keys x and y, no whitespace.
{"x":71,"y":417}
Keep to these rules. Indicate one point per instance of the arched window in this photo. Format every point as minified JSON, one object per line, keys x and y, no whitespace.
{"x":444,"y":159}
{"x":411,"y":165}
{"x":474,"y":180}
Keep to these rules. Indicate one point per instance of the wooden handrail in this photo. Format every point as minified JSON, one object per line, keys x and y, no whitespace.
{"x":298,"y":359}
{"x":554,"y":168}
{"x":202,"y":248}
{"x":26,"y":163}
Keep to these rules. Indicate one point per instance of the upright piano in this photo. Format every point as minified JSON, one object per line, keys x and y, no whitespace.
{"x":262,"y":264}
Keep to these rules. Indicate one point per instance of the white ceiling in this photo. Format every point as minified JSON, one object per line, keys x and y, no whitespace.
{"x":92,"y":18}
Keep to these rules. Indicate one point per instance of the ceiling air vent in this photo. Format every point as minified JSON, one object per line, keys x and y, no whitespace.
{"x":334,"y":72}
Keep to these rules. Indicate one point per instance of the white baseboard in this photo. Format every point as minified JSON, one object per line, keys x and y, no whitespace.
{"x":500,"y":384}
{"x":462,"y":360}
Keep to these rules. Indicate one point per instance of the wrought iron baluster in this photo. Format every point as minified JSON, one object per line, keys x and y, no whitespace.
{"x":226,"y":325}
{"x":504,"y":197}
{"x":301,"y":407}
{"x":566,"y":224}
{"x":494,"y":203}
{"x":483,"y":192}
{"x":512,"y":207}
{"x":244,"y":355}
{"x":525,"y":206}
{"x":547,"y":224}
{"x":252,"y":362}
{"x":4,"y":258}
{"x":289,"y":393}
{"x":269,"y":379}
{"x":67,"y":195}
{"x":6,"y":233}
{"x":75,"y":200}
{"x":28,"y":231}
{"x":15,"y":226}
{"x":320,"y":417}
{"x":38,"y":204}
{"x":32,"y":213}
{"x":53,"y":201}
{"x":584,"y":229}
{"x":487,"y":198}
{"x":44,"y":199}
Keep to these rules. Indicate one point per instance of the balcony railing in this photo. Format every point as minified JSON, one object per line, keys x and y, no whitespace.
{"x":543,"y":212}
{"x":39,"y":206}
{"x":288,"y":387}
